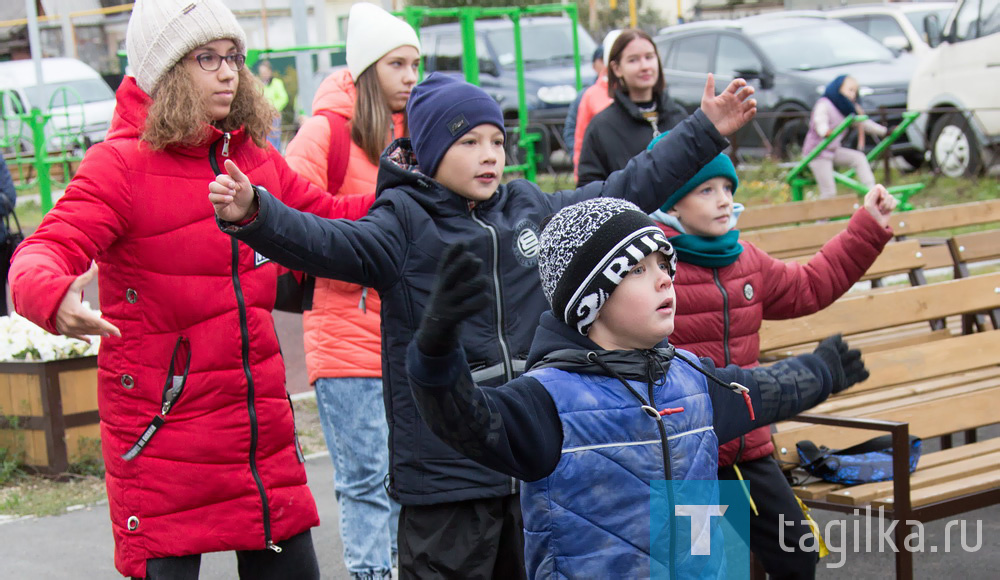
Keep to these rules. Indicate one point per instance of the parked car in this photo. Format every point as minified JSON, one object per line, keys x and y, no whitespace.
{"x":789,"y":60}
{"x":549,"y":74}
{"x":956,"y":87}
{"x":898,"y":26}
{"x":80,"y":101}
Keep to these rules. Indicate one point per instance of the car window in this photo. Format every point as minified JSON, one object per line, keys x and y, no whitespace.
{"x":541,"y":43}
{"x":881,"y":27}
{"x":989,"y":18}
{"x":448,"y":54}
{"x":692,"y":54}
{"x":820,"y":44}
{"x":859,"y":22}
{"x":88,"y":91}
{"x":966,"y":22}
{"x":735,"y":55}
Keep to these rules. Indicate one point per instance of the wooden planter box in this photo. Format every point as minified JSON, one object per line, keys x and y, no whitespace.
{"x":47,"y":409}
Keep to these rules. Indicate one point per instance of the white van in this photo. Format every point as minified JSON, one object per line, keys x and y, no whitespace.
{"x":81,"y":113}
{"x":956,"y":86}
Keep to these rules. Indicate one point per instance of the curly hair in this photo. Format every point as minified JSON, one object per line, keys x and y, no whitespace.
{"x":178,"y":116}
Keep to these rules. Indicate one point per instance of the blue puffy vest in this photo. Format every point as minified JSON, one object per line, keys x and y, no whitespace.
{"x":590,"y":518}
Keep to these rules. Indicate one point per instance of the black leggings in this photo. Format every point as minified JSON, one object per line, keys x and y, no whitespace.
{"x":297,"y":561}
{"x":774,"y":497}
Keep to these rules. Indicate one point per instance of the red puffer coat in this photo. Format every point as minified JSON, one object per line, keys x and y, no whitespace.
{"x":719,"y":310}
{"x":223,"y":472}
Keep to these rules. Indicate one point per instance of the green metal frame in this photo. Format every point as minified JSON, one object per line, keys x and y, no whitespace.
{"x":799,"y":177}
{"x":467,"y":17}
{"x":73,"y":145}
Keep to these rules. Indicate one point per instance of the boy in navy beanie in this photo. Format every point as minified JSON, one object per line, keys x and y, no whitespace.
{"x":459,"y":519}
{"x":725,"y":289}
{"x":608,"y":406}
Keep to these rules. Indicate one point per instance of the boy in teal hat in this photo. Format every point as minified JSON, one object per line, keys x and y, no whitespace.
{"x":725,"y":288}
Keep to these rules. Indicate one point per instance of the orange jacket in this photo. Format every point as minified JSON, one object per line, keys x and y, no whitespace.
{"x":342,"y":336}
{"x":595,"y":99}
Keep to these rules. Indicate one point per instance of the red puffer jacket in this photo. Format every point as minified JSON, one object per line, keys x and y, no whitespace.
{"x":223,"y":472}
{"x":719,"y":310}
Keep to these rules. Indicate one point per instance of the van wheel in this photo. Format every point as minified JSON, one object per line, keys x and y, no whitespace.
{"x":954,"y":147}
{"x":788,"y":139}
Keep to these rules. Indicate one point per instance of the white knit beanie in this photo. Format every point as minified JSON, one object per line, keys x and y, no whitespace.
{"x":161,"y":32}
{"x":371,"y":34}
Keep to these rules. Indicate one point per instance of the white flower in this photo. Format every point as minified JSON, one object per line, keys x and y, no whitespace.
{"x":21,"y":340}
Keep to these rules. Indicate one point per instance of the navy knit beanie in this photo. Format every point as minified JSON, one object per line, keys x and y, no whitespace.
{"x":442,"y":109}
{"x":721,"y":166}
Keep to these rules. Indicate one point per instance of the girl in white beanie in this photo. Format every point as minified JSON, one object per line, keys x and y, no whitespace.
{"x":357,"y":112}
{"x":197,"y":430}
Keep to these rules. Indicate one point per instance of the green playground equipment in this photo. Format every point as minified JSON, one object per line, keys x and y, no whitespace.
{"x":35,"y":141}
{"x":800,"y":177}
{"x":467,"y":17}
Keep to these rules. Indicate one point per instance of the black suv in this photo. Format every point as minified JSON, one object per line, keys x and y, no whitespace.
{"x":549,"y":74}
{"x":789,"y":60}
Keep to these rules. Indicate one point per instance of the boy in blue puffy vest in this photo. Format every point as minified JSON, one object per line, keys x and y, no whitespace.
{"x":607,"y":405}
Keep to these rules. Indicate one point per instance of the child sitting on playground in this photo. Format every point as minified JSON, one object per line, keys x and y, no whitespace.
{"x":608,"y":405}
{"x":725,"y":288}
{"x":839,"y":100}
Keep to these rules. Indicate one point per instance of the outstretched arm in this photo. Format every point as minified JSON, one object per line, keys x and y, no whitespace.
{"x":364,"y":252}
{"x":513,"y":429}
{"x":784,"y":389}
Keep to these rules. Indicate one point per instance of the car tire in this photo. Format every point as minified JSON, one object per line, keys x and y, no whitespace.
{"x":954,"y":148}
{"x":515,"y":155}
{"x":914,"y":159}
{"x":788,"y":139}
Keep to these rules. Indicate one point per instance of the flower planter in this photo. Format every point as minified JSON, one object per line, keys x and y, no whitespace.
{"x":47,"y":409}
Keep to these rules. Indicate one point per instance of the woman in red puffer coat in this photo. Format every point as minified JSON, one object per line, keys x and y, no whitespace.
{"x":725,"y":289}
{"x":197,"y":430}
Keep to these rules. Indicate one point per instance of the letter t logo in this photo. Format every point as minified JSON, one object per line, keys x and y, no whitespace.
{"x":701,"y":529}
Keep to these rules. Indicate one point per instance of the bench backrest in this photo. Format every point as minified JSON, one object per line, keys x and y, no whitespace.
{"x":797,"y":212}
{"x":885,"y":309}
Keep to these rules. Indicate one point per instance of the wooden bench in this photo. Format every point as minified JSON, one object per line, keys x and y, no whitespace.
{"x":757,"y":217}
{"x":805,"y":240}
{"x":966,"y":249}
{"x":930,"y":388}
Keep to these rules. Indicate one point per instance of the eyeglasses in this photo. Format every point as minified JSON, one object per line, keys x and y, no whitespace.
{"x":211,"y":62}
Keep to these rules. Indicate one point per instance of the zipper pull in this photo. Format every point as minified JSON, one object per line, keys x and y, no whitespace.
{"x":272,"y":546}
{"x":225,"y":145}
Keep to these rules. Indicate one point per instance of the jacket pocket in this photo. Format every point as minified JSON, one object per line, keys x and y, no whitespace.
{"x":177,"y":374}
{"x":295,"y":430}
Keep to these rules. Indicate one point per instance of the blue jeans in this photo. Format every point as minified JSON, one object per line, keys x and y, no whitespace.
{"x":353,"y":416}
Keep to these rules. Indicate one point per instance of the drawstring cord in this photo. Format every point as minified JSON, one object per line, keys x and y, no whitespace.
{"x":734,"y":386}
{"x":649,"y":409}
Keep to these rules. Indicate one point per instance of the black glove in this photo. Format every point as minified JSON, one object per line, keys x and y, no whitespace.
{"x":459,"y":292}
{"x":845,"y":364}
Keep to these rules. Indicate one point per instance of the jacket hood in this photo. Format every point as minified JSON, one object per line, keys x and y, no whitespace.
{"x":663,"y":106}
{"x":557,"y":345}
{"x":132,"y":109}
{"x":337,"y":94}
{"x":398,"y":169}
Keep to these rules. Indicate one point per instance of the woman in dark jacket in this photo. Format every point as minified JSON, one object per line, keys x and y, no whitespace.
{"x":641,"y":109}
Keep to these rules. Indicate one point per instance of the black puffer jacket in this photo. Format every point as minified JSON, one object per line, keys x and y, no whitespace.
{"x":619,"y":133}
{"x":395,"y":249}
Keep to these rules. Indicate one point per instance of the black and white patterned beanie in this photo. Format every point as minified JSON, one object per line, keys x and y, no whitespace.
{"x":585,"y":251}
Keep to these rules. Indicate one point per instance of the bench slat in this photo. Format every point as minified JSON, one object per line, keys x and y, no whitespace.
{"x":780,"y":214}
{"x":948,"y":490}
{"x":931,"y":419}
{"x":933,"y":219}
{"x":854,"y":314}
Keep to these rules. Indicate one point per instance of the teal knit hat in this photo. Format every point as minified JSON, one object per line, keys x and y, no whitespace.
{"x":721,"y":166}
